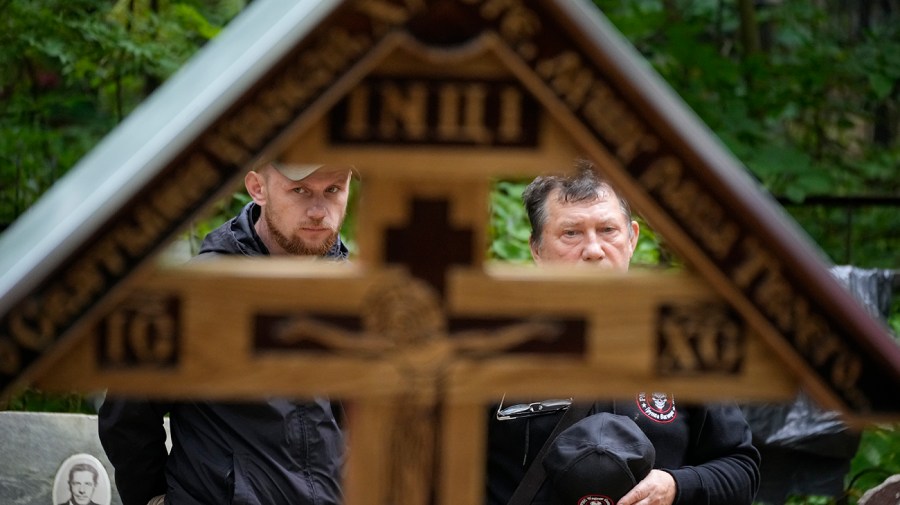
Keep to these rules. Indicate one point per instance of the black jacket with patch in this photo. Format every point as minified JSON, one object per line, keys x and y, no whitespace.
{"x":708,"y":450}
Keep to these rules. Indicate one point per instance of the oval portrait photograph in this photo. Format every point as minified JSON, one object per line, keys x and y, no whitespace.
{"x":81,"y":480}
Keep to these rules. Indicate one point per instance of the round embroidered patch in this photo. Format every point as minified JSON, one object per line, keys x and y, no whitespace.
{"x":659,"y":407}
{"x":595,"y":499}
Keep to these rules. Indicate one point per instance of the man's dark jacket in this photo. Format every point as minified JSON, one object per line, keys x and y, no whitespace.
{"x":272,"y":453}
{"x":707,"y":449}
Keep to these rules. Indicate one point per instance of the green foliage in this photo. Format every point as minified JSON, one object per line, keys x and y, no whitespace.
{"x":220,"y":212}
{"x":894,"y":318}
{"x":815,"y":113}
{"x":34,"y":400}
{"x":853,"y":235}
{"x":348,"y":229}
{"x":878,"y":457}
{"x":70,"y":70}
{"x":809,"y":500}
{"x":509,"y":228}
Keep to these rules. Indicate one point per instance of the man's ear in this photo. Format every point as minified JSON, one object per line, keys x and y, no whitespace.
{"x":535,"y":250}
{"x":256,"y":187}
{"x":635,"y":233}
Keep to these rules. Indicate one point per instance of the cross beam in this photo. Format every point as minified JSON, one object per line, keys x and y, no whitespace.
{"x":657,"y":330}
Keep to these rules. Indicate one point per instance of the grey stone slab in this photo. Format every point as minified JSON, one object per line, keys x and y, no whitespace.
{"x":35,"y":445}
{"x":33,"y":448}
{"x":886,"y":493}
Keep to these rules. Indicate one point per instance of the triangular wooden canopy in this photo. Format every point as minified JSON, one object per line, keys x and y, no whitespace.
{"x":431,"y":101}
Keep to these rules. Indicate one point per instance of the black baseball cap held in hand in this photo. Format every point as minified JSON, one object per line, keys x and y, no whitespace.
{"x":597,"y":460}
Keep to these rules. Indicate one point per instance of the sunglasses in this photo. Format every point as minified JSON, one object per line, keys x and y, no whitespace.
{"x":523,"y":410}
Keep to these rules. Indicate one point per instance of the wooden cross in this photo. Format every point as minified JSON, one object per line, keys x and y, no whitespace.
{"x":404,"y":323}
{"x":429,"y":245}
{"x":412,"y":384}
{"x":418,"y":336}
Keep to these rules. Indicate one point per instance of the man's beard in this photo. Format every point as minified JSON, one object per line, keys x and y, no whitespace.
{"x":297,"y":246}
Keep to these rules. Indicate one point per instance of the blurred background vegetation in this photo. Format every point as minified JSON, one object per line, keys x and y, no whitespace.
{"x":805,"y":93}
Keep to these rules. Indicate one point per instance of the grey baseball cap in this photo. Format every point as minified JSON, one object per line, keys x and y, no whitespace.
{"x":298,"y":172}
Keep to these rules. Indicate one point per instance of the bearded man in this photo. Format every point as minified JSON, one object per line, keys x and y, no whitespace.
{"x":277,"y":451}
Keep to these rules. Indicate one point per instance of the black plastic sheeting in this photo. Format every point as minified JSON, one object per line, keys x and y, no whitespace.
{"x":807,"y":450}
{"x":871,"y":286}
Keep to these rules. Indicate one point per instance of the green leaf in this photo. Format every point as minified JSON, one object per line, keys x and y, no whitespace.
{"x":882,"y":85}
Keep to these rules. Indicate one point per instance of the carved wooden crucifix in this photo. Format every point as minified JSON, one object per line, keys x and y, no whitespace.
{"x":419,"y":358}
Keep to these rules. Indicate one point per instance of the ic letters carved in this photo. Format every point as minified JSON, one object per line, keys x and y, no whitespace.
{"x":141,"y":331}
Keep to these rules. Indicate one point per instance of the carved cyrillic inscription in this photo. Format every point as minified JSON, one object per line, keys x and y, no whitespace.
{"x":34,"y":324}
{"x":758,"y":274}
{"x":699,"y":338}
{"x":586,"y":94}
{"x":238,"y":139}
{"x":142,"y":331}
{"x":404,"y":111}
{"x":709,"y":223}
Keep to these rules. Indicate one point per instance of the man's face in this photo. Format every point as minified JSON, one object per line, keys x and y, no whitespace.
{"x":304,"y":217}
{"x":586,"y":233}
{"x":82,"y":487}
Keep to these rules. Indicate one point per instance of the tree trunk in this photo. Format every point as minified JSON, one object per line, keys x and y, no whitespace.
{"x":749,"y":28}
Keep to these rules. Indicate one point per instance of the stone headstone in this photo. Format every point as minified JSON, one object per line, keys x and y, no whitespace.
{"x":886,"y":493}
{"x":36,"y":446}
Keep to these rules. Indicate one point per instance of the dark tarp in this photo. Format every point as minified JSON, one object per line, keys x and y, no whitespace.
{"x":806,"y":450}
